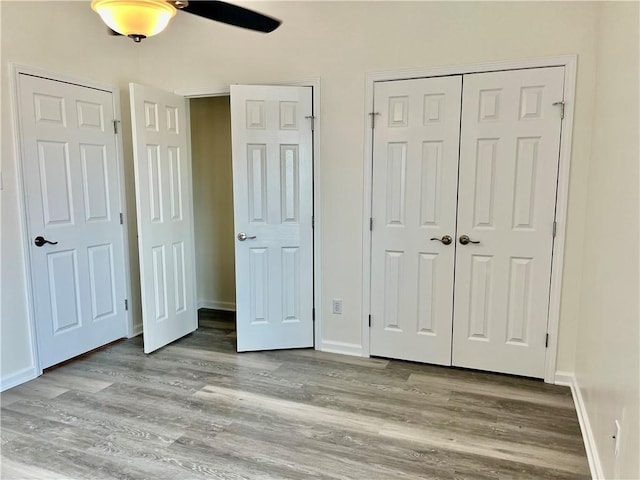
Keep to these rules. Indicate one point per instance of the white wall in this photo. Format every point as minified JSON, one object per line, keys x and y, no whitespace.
{"x":213,"y":202}
{"x":338,"y":42}
{"x":608,"y":347}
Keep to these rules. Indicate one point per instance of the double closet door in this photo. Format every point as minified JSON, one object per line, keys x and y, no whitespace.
{"x":464,"y":191}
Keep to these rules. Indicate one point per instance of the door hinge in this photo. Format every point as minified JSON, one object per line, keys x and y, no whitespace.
{"x":126,"y":304}
{"x":313,"y":314}
{"x":121,"y":218}
{"x":313,"y":121}
{"x":373,"y":119}
{"x":369,"y":320}
{"x":371,"y":224}
{"x":313,"y":221}
{"x":561,"y":105}
{"x":115,"y":126}
{"x":546,"y":341}
{"x":555,"y":228}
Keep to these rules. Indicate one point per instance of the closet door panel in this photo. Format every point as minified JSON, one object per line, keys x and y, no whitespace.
{"x":509,"y":150}
{"x":415,"y":170}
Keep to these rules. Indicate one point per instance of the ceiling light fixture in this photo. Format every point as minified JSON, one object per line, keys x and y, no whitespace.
{"x":136,"y":19}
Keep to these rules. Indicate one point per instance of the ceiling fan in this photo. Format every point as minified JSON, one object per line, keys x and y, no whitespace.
{"x":138,"y":19}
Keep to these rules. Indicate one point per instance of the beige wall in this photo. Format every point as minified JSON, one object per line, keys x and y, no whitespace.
{"x":213,"y":202}
{"x":338,"y":42}
{"x":608,"y":345}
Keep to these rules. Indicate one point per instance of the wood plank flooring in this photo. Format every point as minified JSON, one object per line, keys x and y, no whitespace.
{"x":196,"y":409}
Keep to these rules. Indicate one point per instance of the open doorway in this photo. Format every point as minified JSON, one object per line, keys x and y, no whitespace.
{"x":213,"y":202}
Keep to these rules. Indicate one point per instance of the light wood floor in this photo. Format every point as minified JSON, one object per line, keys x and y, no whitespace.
{"x":196,"y":409}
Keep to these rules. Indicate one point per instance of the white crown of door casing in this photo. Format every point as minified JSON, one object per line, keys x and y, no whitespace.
{"x":569,"y":62}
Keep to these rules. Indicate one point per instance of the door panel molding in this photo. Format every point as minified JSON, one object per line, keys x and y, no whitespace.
{"x":569,"y":62}
{"x":16,"y":70}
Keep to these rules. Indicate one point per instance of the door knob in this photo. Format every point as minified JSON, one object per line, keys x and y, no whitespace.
{"x":40,"y":241}
{"x":446,"y":239}
{"x":464,"y":239}
{"x":243,"y":236}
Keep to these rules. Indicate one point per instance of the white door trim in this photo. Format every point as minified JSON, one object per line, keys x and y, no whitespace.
{"x":562,"y":196}
{"x":16,"y":70}
{"x":225,"y":90}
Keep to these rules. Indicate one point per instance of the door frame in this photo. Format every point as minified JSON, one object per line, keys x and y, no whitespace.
{"x":314,"y":83}
{"x":16,"y":70}
{"x":569,"y":62}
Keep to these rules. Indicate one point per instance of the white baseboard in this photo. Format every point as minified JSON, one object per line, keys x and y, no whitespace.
{"x":341,"y":347}
{"x":217,"y":305}
{"x":565,"y":379}
{"x":569,"y":379}
{"x":137,"y":330}
{"x":17,"y":378}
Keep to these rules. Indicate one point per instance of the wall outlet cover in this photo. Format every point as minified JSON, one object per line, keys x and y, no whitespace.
{"x":336,"y":306}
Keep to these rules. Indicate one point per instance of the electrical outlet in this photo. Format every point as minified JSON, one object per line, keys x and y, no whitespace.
{"x":616,"y":437}
{"x":336,"y":306}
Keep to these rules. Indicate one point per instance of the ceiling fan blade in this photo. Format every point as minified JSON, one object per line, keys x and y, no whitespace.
{"x":113,"y":32}
{"x":233,"y":15}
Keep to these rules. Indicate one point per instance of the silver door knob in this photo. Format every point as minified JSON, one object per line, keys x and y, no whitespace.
{"x":464,"y":239}
{"x":446,"y":239}
{"x":243,"y":236}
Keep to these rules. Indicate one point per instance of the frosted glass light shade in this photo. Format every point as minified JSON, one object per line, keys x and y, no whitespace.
{"x":135,"y":17}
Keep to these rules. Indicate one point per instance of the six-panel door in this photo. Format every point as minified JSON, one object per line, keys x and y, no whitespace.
{"x":164,"y":204}
{"x":415,"y":168}
{"x":273,"y":208}
{"x":509,"y":154}
{"x":72,"y":186}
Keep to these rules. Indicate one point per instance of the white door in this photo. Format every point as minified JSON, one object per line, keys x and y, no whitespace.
{"x":507,"y":189}
{"x":70,"y":166}
{"x":273,"y":208}
{"x":415,"y":168}
{"x":165,"y":215}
